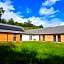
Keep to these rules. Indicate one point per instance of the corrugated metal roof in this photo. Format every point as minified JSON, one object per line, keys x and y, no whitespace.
{"x":10,"y":28}
{"x":48,"y":30}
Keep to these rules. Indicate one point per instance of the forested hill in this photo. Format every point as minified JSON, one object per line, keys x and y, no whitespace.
{"x":26,"y":25}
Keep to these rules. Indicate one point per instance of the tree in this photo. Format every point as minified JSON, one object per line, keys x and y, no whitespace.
{"x":40,"y":26}
{"x":1,"y":12}
{"x":11,"y":21}
{"x":3,"y":21}
{"x":29,"y":22}
{"x":18,"y":24}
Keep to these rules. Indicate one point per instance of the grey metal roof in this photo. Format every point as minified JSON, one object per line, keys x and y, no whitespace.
{"x":48,"y":30}
{"x":10,"y":28}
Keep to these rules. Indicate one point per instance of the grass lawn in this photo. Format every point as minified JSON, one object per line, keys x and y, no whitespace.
{"x":31,"y":53}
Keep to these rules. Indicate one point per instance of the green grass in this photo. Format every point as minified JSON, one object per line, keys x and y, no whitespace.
{"x":32,"y":52}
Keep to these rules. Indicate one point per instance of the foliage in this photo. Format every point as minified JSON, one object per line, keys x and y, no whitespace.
{"x":3,"y":21}
{"x":32,"y":52}
{"x":40,"y":26}
{"x":1,"y":12}
{"x":26,"y":25}
{"x":11,"y":21}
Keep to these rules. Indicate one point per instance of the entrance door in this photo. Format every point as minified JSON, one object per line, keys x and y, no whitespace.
{"x":30,"y":37}
{"x":43,"y":37}
{"x":54,"y":38}
{"x":59,"y":38}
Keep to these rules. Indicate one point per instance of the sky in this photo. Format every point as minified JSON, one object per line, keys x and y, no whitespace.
{"x":49,"y":13}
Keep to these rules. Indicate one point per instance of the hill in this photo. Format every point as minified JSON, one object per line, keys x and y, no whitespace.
{"x":26,"y":25}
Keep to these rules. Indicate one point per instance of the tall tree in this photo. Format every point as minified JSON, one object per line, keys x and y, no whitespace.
{"x":11,"y":21}
{"x":41,"y":26}
{"x":1,"y":12}
{"x":29,"y":22}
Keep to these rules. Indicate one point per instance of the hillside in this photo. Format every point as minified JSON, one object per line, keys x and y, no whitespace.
{"x":26,"y":25}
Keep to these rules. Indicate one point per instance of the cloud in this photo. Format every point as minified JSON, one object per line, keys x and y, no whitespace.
{"x":49,"y":14}
{"x":7,"y":5}
{"x":46,"y":11}
{"x":28,"y":10}
{"x":10,"y":14}
{"x":49,"y":2}
{"x":53,"y":22}
{"x":62,"y":23}
{"x":9,"y":8}
{"x":36,"y":20}
{"x":45,"y":22}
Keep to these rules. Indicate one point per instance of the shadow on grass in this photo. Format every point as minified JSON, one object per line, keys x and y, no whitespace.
{"x":8,"y":56}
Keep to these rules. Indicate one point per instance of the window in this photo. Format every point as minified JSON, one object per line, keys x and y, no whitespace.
{"x":14,"y":37}
{"x":30,"y":37}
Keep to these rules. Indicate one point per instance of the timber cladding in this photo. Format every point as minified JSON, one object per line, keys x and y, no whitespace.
{"x":41,"y":38}
{"x":62,"y":38}
{"x":57,"y":38}
{"x":17,"y":37}
{"x":48,"y":37}
{"x":3,"y":37}
{"x":8,"y":37}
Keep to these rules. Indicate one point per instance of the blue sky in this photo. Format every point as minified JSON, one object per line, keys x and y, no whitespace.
{"x":46,"y":12}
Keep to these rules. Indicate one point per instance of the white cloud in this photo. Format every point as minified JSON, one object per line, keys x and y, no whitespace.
{"x":62,"y":23}
{"x":53,"y":22}
{"x":10,"y":14}
{"x":28,"y":10}
{"x":49,"y":2}
{"x":8,"y":7}
{"x":45,"y":11}
{"x":35,"y":20}
{"x":50,"y":13}
{"x":46,"y":22}
{"x":13,"y":15}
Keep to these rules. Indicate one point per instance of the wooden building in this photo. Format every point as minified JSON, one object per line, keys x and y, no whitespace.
{"x":10,"y":33}
{"x":15,"y":33}
{"x":55,"y":34}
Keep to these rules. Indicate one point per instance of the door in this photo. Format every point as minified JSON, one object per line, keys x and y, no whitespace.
{"x":59,"y":38}
{"x":54,"y":38}
{"x":43,"y":37}
{"x":30,"y":37}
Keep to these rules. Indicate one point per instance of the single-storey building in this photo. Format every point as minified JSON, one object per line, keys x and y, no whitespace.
{"x":10,"y":33}
{"x":15,"y":33}
{"x":55,"y":34}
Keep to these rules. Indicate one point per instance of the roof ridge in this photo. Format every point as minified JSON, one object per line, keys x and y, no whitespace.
{"x":54,"y":26}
